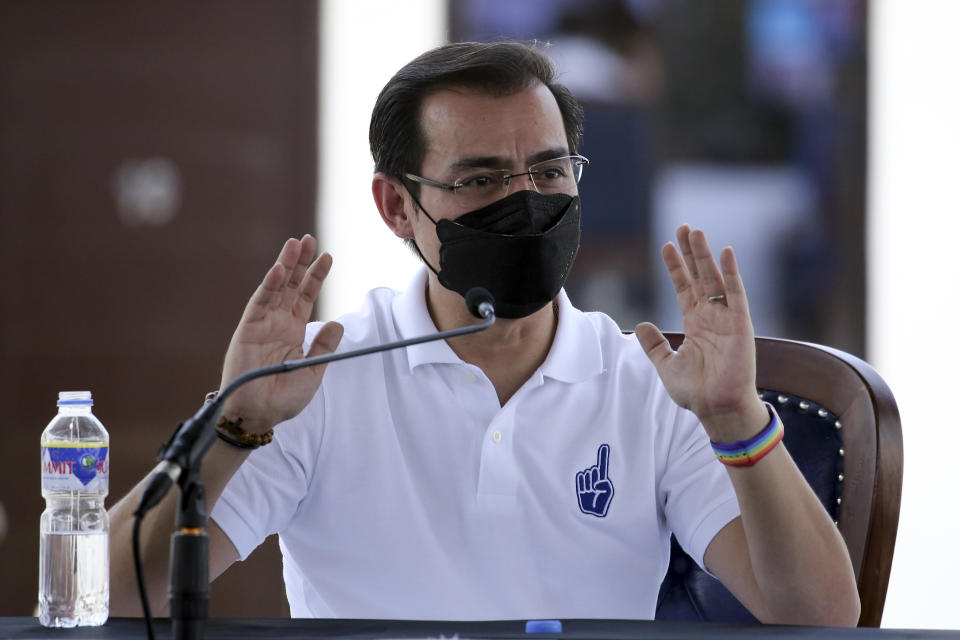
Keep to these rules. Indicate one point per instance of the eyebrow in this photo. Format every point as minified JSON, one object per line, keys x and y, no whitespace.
{"x":498,"y":162}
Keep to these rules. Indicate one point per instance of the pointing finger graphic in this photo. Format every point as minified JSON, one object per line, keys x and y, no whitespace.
{"x":603,"y":457}
{"x":594,"y":487}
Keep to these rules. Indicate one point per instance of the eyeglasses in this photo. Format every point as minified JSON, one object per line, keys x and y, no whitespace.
{"x":483,"y":186}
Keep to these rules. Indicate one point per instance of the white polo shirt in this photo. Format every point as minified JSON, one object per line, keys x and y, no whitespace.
{"x":405,"y":491}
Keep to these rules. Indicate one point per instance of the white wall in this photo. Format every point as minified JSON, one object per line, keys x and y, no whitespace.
{"x":914,"y":288}
{"x":362,"y":44}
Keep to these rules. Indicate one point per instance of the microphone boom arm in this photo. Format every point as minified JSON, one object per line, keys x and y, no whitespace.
{"x":186,"y":449}
{"x":293,"y":365}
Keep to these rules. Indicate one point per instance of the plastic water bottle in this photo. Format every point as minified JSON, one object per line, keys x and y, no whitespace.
{"x":74,"y":550}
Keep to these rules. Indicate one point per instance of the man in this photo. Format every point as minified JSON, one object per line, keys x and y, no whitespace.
{"x":535,"y":469}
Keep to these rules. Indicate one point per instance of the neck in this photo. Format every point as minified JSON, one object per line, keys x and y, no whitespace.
{"x":508,"y":352}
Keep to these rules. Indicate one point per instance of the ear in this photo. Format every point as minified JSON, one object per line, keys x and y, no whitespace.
{"x":391,"y":198}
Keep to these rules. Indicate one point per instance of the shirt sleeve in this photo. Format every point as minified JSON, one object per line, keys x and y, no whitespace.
{"x":695,"y":491}
{"x":265,"y":493}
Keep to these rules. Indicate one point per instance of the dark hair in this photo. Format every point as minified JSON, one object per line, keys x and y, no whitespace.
{"x":397,"y":141}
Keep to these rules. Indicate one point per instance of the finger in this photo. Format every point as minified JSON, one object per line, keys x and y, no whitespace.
{"x":288,"y":258}
{"x":679,"y":276}
{"x":594,"y":477}
{"x":588,"y":480}
{"x":291,"y":292}
{"x":311,"y":285}
{"x":711,"y":281}
{"x":683,"y":241}
{"x":736,"y":293}
{"x":603,"y":458}
{"x":654,"y":343}
{"x":271,"y":287}
{"x":581,"y":484}
{"x":326,"y":340}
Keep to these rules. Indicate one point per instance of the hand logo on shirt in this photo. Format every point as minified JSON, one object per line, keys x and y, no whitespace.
{"x":594,"y":487}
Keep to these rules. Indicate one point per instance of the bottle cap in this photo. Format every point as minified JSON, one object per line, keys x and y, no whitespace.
{"x":544,"y":626}
{"x":75,"y":398}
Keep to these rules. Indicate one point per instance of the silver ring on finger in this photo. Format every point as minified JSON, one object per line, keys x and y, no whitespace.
{"x":720,"y":298}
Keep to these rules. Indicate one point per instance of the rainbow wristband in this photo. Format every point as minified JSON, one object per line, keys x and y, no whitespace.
{"x":746,"y":453}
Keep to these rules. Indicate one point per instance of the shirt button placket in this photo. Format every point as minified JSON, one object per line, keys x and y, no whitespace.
{"x":498,"y":474}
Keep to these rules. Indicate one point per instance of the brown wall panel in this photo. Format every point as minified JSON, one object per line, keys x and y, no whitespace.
{"x":214,"y":103}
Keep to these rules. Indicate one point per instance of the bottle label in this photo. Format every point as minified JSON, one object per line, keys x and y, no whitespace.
{"x":74,"y":466}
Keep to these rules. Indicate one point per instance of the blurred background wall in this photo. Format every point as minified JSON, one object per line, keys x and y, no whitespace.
{"x":912,"y":227}
{"x":153,"y":157}
{"x":746,"y":118}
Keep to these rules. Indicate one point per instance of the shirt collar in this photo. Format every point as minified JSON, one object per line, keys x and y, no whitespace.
{"x":413,"y":320}
{"x":574,"y":356}
{"x":576,"y":351}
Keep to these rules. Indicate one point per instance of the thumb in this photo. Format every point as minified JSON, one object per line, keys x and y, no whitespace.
{"x":326,"y":340}
{"x":654,"y":343}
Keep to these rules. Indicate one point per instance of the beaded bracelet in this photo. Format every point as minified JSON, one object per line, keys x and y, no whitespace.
{"x":746,"y":453}
{"x":231,"y":432}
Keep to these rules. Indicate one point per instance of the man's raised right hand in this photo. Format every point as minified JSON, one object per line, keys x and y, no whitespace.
{"x":272,"y":331}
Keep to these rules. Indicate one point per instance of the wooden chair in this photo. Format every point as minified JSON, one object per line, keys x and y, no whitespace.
{"x":843,"y":430}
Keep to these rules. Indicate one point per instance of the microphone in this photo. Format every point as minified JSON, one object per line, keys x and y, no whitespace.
{"x":185,"y":448}
{"x":193,"y":439}
{"x":480,"y":302}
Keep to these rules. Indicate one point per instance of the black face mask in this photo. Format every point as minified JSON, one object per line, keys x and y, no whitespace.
{"x":519,"y":248}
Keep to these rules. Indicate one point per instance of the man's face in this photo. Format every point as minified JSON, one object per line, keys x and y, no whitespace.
{"x":466,"y":130}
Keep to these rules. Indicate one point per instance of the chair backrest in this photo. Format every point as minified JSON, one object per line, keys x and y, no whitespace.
{"x":842,"y":427}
